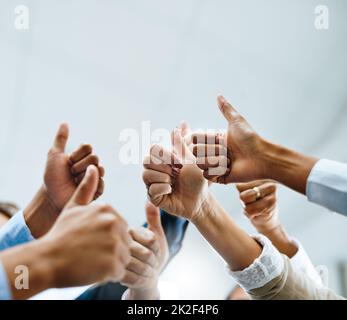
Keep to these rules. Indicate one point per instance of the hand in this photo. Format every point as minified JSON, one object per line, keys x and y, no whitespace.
{"x":238,"y":151}
{"x":262,"y":212}
{"x":179,"y":189}
{"x":63,"y":172}
{"x":149,"y":254}
{"x":88,"y":243}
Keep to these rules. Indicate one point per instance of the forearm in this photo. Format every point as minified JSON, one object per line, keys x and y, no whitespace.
{"x":281,"y":241}
{"x":286,"y":166}
{"x":29,"y":269}
{"x":237,"y":248}
{"x":40,"y":214}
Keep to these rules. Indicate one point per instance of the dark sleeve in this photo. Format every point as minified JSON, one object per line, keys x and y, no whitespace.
{"x":174,"y":228}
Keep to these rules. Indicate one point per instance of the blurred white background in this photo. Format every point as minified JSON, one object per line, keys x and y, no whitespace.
{"x":104,"y":66}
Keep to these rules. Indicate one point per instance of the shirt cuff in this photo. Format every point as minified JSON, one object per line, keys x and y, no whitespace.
{"x":301,"y":262}
{"x":264,"y":269}
{"x":327,"y":185}
{"x":15,"y":232}
{"x":5,"y":291}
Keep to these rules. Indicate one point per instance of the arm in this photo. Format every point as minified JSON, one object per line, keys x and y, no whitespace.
{"x":174,"y":229}
{"x":261,"y":270}
{"x":252,"y":157}
{"x":292,"y":284}
{"x":15,"y":232}
{"x":40,"y":214}
{"x":63,"y":174}
{"x":40,"y":266}
{"x":260,"y":207}
{"x":262,"y":212}
{"x":238,"y":249}
{"x":65,"y":256}
{"x":286,"y":166}
{"x":253,"y":263}
{"x":186,"y":194}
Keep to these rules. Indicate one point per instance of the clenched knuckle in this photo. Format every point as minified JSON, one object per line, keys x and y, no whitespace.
{"x":105,"y":207}
{"x":147,"y":254}
{"x":272,"y":188}
{"x":244,"y":197}
{"x":85,"y":147}
{"x":94,"y":159}
{"x":146,"y":160}
{"x":250,"y":210}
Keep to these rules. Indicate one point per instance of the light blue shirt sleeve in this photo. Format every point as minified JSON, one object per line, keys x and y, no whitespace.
{"x":327,"y":185}
{"x":15,"y":232}
{"x":5,"y":291}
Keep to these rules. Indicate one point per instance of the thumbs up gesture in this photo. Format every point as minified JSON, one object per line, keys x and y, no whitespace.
{"x":237,"y":154}
{"x":149,"y":254}
{"x":64,"y":172}
{"x":173,"y":180}
{"x":88,"y":243}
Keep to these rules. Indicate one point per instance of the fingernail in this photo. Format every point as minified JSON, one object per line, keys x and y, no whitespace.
{"x":176,"y":170}
{"x":221,"y":97}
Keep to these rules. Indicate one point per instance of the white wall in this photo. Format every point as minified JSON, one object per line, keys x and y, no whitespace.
{"x":104,"y":66}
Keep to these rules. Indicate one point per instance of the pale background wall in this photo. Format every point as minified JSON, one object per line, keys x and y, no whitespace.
{"x":104,"y":66}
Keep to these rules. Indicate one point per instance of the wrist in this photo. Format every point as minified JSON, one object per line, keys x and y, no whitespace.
{"x":269,"y":226}
{"x":58,"y":260}
{"x":237,"y":248}
{"x":40,"y":214}
{"x":269,"y":156}
{"x":205,"y":211}
{"x":281,"y":240}
{"x":46,"y":259}
{"x":36,"y":269}
{"x":285,"y":166}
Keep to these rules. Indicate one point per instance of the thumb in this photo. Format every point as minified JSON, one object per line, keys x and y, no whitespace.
{"x":153,"y":218}
{"x":85,"y":192}
{"x":181,"y":148}
{"x":61,"y":137}
{"x":228,"y":111}
{"x":185,"y":128}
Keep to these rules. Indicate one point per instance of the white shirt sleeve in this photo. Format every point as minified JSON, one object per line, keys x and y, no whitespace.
{"x":269,"y":265}
{"x":264,"y":269}
{"x":301,"y":262}
{"x":327,"y":185}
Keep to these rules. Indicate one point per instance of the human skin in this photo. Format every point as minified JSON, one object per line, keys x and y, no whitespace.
{"x":63,"y":173}
{"x":149,"y":254}
{"x":263,"y":214}
{"x":251,"y":156}
{"x":187,"y":195}
{"x":87,"y":244}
